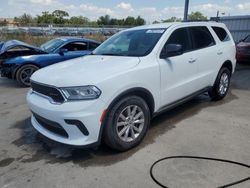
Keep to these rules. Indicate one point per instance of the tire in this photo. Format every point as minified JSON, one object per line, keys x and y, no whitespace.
{"x":221,"y":85}
{"x":24,"y":73}
{"x":118,"y":121}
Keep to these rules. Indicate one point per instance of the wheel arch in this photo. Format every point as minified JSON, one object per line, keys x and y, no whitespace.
{"x":137,"y":91}
{"x":228,"y":64}
{"x":20,"y":66}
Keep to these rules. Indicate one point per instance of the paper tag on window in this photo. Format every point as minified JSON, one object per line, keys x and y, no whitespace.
{"x":155,"y":31}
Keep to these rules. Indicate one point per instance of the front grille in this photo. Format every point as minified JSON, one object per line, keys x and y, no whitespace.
{"x":49,"y":91}
{"x":51,"y":126}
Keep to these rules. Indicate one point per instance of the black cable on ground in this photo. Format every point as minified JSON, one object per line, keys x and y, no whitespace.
{"x":202,"y":158}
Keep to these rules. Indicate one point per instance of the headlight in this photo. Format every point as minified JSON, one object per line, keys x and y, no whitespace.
{"x":81,"y":93}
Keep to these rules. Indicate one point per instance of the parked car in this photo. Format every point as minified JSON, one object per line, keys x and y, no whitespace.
{"x":19,"y":60}
{"x":243,"y":50}
{"x":133,"y":76}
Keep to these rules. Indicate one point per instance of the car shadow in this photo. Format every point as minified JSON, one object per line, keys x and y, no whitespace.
{"x":9,"y":83}
{"x":52,"y":152}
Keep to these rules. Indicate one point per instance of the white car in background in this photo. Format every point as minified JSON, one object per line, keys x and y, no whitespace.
{"x":138,"y":73}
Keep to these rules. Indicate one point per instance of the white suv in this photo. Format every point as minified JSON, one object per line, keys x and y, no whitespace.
{"x":113,"y":94}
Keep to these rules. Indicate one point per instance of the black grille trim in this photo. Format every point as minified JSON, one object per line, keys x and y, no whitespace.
{"x":49,"y":91}
{"x":51,"y":126}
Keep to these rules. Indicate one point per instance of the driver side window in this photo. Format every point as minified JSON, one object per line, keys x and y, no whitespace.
{"x":179,"y":36}
{"x":76,"y":46}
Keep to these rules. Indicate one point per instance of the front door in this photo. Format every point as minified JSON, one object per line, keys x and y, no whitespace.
{"x":178,"y":73}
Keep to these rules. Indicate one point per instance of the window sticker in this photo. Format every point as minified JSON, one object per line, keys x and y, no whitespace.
{"x":155,"y":31}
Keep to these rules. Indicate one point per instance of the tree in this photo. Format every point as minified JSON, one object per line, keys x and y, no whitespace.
{"x":59,"y":16}
{"x":79,"y":20}
{"x":45,"y":18}
{"x":130,"y":21}
{"x":104,"y":20}
{"x":172,"y":19}
{"x":139,"y":21}
{"x":3,"y":22}
{"x":196,"y":16}
{"x":24,"y":19}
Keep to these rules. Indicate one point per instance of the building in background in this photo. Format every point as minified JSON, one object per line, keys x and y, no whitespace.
{"x":239,"y":26}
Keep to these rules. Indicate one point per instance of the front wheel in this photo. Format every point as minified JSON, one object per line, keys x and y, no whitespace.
{"x":127,"y":123}
{"x":221,"y":85}
{"x":24,"y":73}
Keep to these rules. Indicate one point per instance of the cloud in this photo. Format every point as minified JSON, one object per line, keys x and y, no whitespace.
{"x":211,"y":9}
{"x":43,"y":2}
{"x":243,"y":6}
{"x":122,"y":9}
{"x":125,"y":6}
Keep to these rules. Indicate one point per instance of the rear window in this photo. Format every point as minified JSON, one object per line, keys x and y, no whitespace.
{"x":202,"y":37}
{"x":221,"y":33}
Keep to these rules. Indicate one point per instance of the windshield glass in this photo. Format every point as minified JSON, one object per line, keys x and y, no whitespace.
{"x":131,"y":43}
{"x":247,"y":39}
{"x":51,"y":45}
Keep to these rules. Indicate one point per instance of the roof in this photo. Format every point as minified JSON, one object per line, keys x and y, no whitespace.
{"x":173,"y":24}
{"x":72,"y":39}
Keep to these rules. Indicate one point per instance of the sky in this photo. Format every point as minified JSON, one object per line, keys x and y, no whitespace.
{"x":150,"y":10}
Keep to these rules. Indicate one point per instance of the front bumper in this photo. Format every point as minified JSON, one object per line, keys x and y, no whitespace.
{"x":8,"y":71}
{"x":69,"y":116}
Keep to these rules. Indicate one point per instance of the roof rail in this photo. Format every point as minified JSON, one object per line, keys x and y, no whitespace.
{"x":197,"y":20}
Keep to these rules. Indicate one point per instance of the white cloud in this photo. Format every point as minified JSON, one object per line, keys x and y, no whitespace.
{"x":122,"y":9}
{"x":244,"y":6}
{"x":43,"y":2}
{"x":125,"y":6}
{"x":95,"y":9}
{"x":211,"y":9}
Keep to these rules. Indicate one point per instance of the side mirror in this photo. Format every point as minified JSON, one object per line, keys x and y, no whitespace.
{"x":171,"y":50}
{"x":62,"y":51}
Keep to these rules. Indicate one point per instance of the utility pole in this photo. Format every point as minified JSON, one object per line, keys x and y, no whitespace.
{"x":186,"y":10}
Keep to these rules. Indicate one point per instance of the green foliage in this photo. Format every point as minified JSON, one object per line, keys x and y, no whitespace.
{"x":172,"y":19}
{"x":61,"y":17}
{"x":129,"y":21}
{"x":3,"y":22}
{"x":24,"y":19}
{"x":196,"y":16}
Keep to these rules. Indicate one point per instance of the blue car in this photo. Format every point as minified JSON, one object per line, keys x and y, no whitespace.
{"x":19,"y":60}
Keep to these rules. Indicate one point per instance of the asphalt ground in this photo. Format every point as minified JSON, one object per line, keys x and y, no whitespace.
{"x":198,"y":128}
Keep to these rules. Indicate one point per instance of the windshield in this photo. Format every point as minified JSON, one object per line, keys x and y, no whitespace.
{"x":131,"y":43}
{"x":51,"y":45}
{"x":247,"y":39}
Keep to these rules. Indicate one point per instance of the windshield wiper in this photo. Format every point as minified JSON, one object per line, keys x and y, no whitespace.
{"x":111,"y":54}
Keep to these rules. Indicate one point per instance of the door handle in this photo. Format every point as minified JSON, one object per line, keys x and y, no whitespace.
{"x":192,"y":60}
{"x":220,"y":53}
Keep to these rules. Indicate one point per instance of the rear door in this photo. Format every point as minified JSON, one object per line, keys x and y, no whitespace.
{"x":178,"y":73}
{"x":206,"y":55}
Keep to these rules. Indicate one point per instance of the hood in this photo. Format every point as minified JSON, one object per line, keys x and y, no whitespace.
{"x":5,"y":46}
{"x":87,"y":70}
{"x":243,"y":45}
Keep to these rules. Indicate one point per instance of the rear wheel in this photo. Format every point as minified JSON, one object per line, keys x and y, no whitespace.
{"x":24,"y":73}
{"x":221,"y":86}
{"x":127,"y":123}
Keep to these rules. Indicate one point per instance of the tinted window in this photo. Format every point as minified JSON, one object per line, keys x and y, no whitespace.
{"x":221,"y":33}
{"x":247,"y":39}
{"x":76,"y":46}
{"x":180,"y":36}
{"x":93,"y":46}
{"x":202,"y":37}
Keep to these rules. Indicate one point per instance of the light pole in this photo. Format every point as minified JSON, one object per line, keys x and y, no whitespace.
{"x":186,"y":10}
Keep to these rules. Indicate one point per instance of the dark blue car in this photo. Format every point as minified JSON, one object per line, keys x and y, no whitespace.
{"x":19,"y":60}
